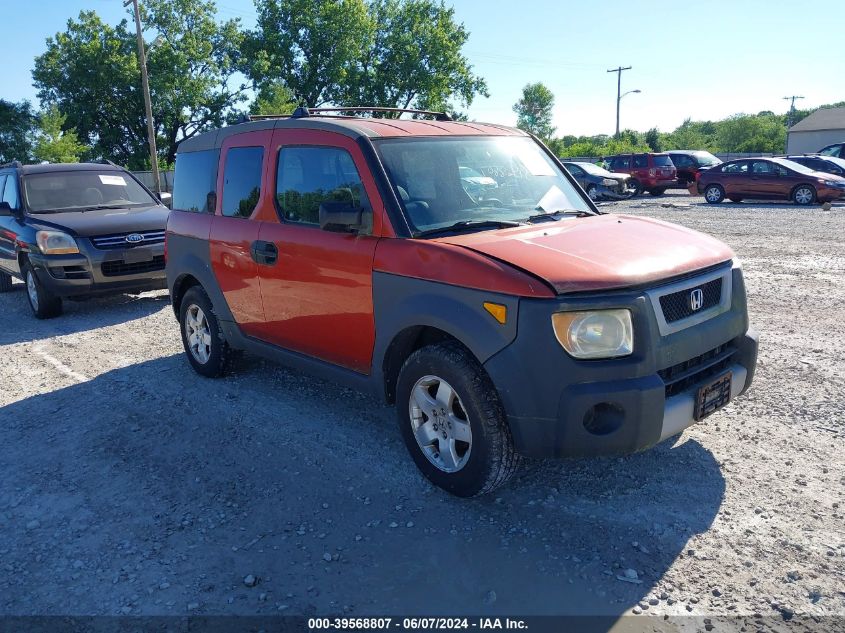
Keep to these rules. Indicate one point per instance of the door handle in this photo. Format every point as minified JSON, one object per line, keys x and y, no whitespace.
{"x":263,"y":252}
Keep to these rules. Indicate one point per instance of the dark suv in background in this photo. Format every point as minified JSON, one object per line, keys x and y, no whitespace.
{"x":650,"y":172}
{"x":826,"y":164}
{"x":837,"y":150}
{"x":78,"y":230}
{"x":690,"y":163}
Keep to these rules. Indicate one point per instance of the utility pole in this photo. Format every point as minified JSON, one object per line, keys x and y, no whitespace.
{"x":789,"y":117}
{"x":145,"y":86}
{"x":618,"y":72}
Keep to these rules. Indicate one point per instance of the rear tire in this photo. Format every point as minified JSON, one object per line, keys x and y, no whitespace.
{"x":803,"y":195}
{"x":452,"y":421}
{"x":205,"y":345}
{"x":657,"y":192}
{"x":44,"y":304}
{"x":714,"y":194}
{"x":5,"y":282}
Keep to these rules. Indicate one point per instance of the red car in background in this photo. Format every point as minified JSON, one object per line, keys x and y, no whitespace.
{"x":769,"y":178}
{"x":650,"y":172}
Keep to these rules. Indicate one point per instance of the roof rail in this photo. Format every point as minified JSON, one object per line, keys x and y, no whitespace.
{"x":14,"y":163}
{"x":302,"y":112}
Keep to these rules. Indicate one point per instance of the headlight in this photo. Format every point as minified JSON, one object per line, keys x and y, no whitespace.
{"x":595,"y":333}
{"x":609,"y":182}
{"x":56,"y":243}
{"x":833,"y":183}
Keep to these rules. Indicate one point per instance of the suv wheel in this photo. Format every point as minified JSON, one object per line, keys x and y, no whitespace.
{"x":635,"y":187}
{"x":714,"y":194}
{"x":44,"y":304}
{"x":5,"y":282}
{"x":657,"y":192}
{"x":803,"y":195}
{"x":452,"y":421}
{"x":205,"y":345}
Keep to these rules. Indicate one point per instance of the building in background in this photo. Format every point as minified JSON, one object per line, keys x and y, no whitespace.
{"x":823,"y":127}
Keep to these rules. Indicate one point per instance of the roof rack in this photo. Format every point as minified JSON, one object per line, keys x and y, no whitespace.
{"x":301,"y":112}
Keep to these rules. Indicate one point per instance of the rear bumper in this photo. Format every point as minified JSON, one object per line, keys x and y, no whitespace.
{"x":95,"y":272}
{"x":560,"y":407}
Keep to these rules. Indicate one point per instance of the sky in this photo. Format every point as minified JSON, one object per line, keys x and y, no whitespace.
{"x":699,"y":60}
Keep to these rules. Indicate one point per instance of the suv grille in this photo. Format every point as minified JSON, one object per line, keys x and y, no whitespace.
{"x":119,"y":268}
{"x":682,"y":376}
{"x":676,"y":306}
{"x":118,"y":240}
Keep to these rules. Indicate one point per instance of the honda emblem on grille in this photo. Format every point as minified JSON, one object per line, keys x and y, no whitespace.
{"x":696,"y":299}
{"x":134,"y":238}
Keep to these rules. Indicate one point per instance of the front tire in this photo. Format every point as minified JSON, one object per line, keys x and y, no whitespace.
{"x":803,"y":195}
{"x":452,"y":422}
{"x":657,"y":192}
{"x":205,"y":345}
{"x":44,"y":304}
{"x":635,"y":187}
{"x":593,"y":192}
{"x":714,"y":194}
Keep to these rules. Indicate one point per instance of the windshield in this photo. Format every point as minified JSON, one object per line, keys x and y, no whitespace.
{"x":663,"y":161}
{"x":57,"y":191}
{"x":595,"y":170}
{"x":435,"y":180}
{"x":706,"y":159}
{"x":801,"y":169}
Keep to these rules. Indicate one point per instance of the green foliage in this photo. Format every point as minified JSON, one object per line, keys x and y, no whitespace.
{"x":53,"y":143}
{"x":16,"y":121}
{"x":390,"y":53}
{"x":91,"y":73}
{"x":600,"y":145}
{"x":274,"y":98}
{"x":534,"y":110}
{"x":653,"y":140}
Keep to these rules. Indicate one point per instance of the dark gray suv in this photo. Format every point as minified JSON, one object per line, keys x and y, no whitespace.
{"x":78,"y":230}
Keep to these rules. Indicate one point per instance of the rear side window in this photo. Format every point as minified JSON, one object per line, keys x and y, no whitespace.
{"x":640,"y":161}
{"x":195,"y":183}
{"x":620,"y":162}
{"x":663,"y":161}
{"x":680,"y":160}
{"x":735,"y":168}
{"x":308,"y":176}
{"x":242,"y":181}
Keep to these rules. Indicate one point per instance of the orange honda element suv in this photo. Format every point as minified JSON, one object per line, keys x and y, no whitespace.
{"x":506,"y":320}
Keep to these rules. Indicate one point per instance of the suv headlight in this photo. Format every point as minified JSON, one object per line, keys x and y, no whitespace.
{"x":595,"y":333}
{"x":56,"y":243}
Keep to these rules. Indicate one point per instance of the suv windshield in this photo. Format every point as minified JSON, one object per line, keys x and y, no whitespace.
{"x":436,"y":180}
{"x":662,"y":161}
{"x":57,"y":191}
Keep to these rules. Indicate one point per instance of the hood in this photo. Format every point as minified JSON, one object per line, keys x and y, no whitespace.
{"x":599,"y":253}
{"x":105,"y":221}
{"x":618,"y":176}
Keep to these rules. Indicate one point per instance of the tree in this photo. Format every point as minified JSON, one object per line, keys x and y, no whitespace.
{"x":53,"y":143}
{"x":390,"y":53}
{"x":274,"y":98}
{"x":16,"y":122}
{"x":311,"y":47}
{"x":653,"y":140}
{"x":90,"y":71}
{"x":414,"y":59}
{"x":534,"y":111}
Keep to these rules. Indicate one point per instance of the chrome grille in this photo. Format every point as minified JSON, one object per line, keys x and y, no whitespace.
{"x":118,"y":240}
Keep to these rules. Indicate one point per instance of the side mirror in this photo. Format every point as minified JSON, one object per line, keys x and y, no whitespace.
{"x":340,"y":217}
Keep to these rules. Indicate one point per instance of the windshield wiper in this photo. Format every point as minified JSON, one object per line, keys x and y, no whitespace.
{"x":557,"y":213}
{"x":469,"y":225}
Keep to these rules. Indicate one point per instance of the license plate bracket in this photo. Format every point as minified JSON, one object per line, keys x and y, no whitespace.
{"x":713,"y":396}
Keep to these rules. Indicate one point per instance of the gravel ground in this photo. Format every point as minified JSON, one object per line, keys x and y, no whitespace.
{"x":133,"y":486}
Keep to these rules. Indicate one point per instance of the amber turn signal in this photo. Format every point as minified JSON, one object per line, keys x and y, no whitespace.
{"x":497,"y":311}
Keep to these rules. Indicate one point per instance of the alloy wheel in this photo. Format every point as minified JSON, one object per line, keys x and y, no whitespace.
{"x":32,"y":290}
{"x":198,"y":333}
{"x":440,"y":424}
{"x":713,"y":194}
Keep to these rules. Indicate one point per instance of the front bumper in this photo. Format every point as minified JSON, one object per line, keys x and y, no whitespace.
{"x":94,"y":271}
{"x":561,"y":407}
{"x":829,"y":194}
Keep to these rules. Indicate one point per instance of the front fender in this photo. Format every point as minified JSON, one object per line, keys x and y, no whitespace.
{"x":402,"y":302}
